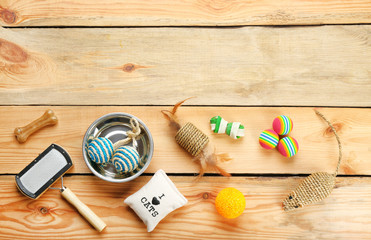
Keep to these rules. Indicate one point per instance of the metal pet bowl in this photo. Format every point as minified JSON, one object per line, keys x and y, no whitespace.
{"x":114,"y":127}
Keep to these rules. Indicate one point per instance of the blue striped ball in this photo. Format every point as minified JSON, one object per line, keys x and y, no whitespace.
{"x":100,"y":150}
{"x":126,"y":159}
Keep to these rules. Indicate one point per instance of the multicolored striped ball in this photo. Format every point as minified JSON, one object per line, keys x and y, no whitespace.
{"x":268,"y":139}
{"x":282,"y":125}
{"x":100,"y":150}
{"x":288,"y":147}
{"x":126,"y":159}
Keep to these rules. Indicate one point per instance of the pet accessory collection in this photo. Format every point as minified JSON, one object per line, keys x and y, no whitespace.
{"x":155,"y":200}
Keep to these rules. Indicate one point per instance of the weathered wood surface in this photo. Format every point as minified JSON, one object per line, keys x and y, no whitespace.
{"x":266,"y":67}
{"x":343,"y":215}
{"x":318,"y":147}
{"x":182,"y":13}
{"x":298,"y":66}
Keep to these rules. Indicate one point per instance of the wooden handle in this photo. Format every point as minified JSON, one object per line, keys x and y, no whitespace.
{"x":84,"y":210}
{"x":22,"y":133}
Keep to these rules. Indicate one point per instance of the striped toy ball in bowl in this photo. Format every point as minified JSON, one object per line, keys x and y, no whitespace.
{"x":268,"y":139}
{"x":288,"y":146}
{"x":282,"y":125}
{"x":100,"y":150}
{"x":126,"y":159}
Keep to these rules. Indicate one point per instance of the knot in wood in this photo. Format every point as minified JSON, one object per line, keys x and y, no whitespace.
{"x":44,"y":210}
{"x":205,"y":195}
{"x":129,"y":67}
{"x":8,"y":16}
{"x":337,"y":127}
{"x":12,"y":52}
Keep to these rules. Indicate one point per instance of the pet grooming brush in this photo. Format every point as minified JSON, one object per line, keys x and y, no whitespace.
{"x":45,"y":170}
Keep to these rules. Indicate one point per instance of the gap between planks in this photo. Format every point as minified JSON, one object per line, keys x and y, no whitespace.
{"x":191,"y":27}
{"x":234,"y":175}
{"x":184,"y":105}
{"x":182,"y":13}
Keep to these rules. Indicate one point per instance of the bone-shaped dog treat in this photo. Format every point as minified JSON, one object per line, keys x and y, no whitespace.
{"x":48,"y":118}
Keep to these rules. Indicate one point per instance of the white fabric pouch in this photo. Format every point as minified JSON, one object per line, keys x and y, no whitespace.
{"x":156,"y":199}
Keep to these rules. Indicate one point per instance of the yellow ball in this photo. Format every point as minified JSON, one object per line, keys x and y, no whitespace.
{"x":230,"y":203}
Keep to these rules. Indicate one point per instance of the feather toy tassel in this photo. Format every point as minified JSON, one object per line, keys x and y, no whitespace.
{"x":196,"y":143}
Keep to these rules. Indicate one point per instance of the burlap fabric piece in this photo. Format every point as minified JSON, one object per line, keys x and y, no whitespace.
{"x":191,"y":139}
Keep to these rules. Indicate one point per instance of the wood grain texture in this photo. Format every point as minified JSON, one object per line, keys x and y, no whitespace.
{"x":182,"y":13}
{"x":318,"y":147}
{"x":296,"y":66}
{"x":343,"y":215}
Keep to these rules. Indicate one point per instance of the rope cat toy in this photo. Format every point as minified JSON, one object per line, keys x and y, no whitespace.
{"x":125,"y":158}
{"x":196,"y":143}
{"x":316,"y":186}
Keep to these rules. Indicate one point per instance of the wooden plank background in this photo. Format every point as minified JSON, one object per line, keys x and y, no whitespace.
{"x":182,"y":13}
{"x":84,"y":59}
{"x":318,"y":147}
{"x":341,"y":216}
{"x":296,"y":66}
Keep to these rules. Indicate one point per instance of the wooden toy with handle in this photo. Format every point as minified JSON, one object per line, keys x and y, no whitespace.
{"x":48,"y":118}
{"x":84,"y":210}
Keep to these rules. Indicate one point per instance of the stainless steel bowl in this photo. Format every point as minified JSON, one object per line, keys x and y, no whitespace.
{"x":114,"y":127}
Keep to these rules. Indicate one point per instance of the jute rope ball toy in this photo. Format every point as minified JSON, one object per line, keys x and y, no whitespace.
{"x":124,"y":158}
{"x":316,"y":186}
{"x":100,"y":150}
{"x":233,"y":129}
